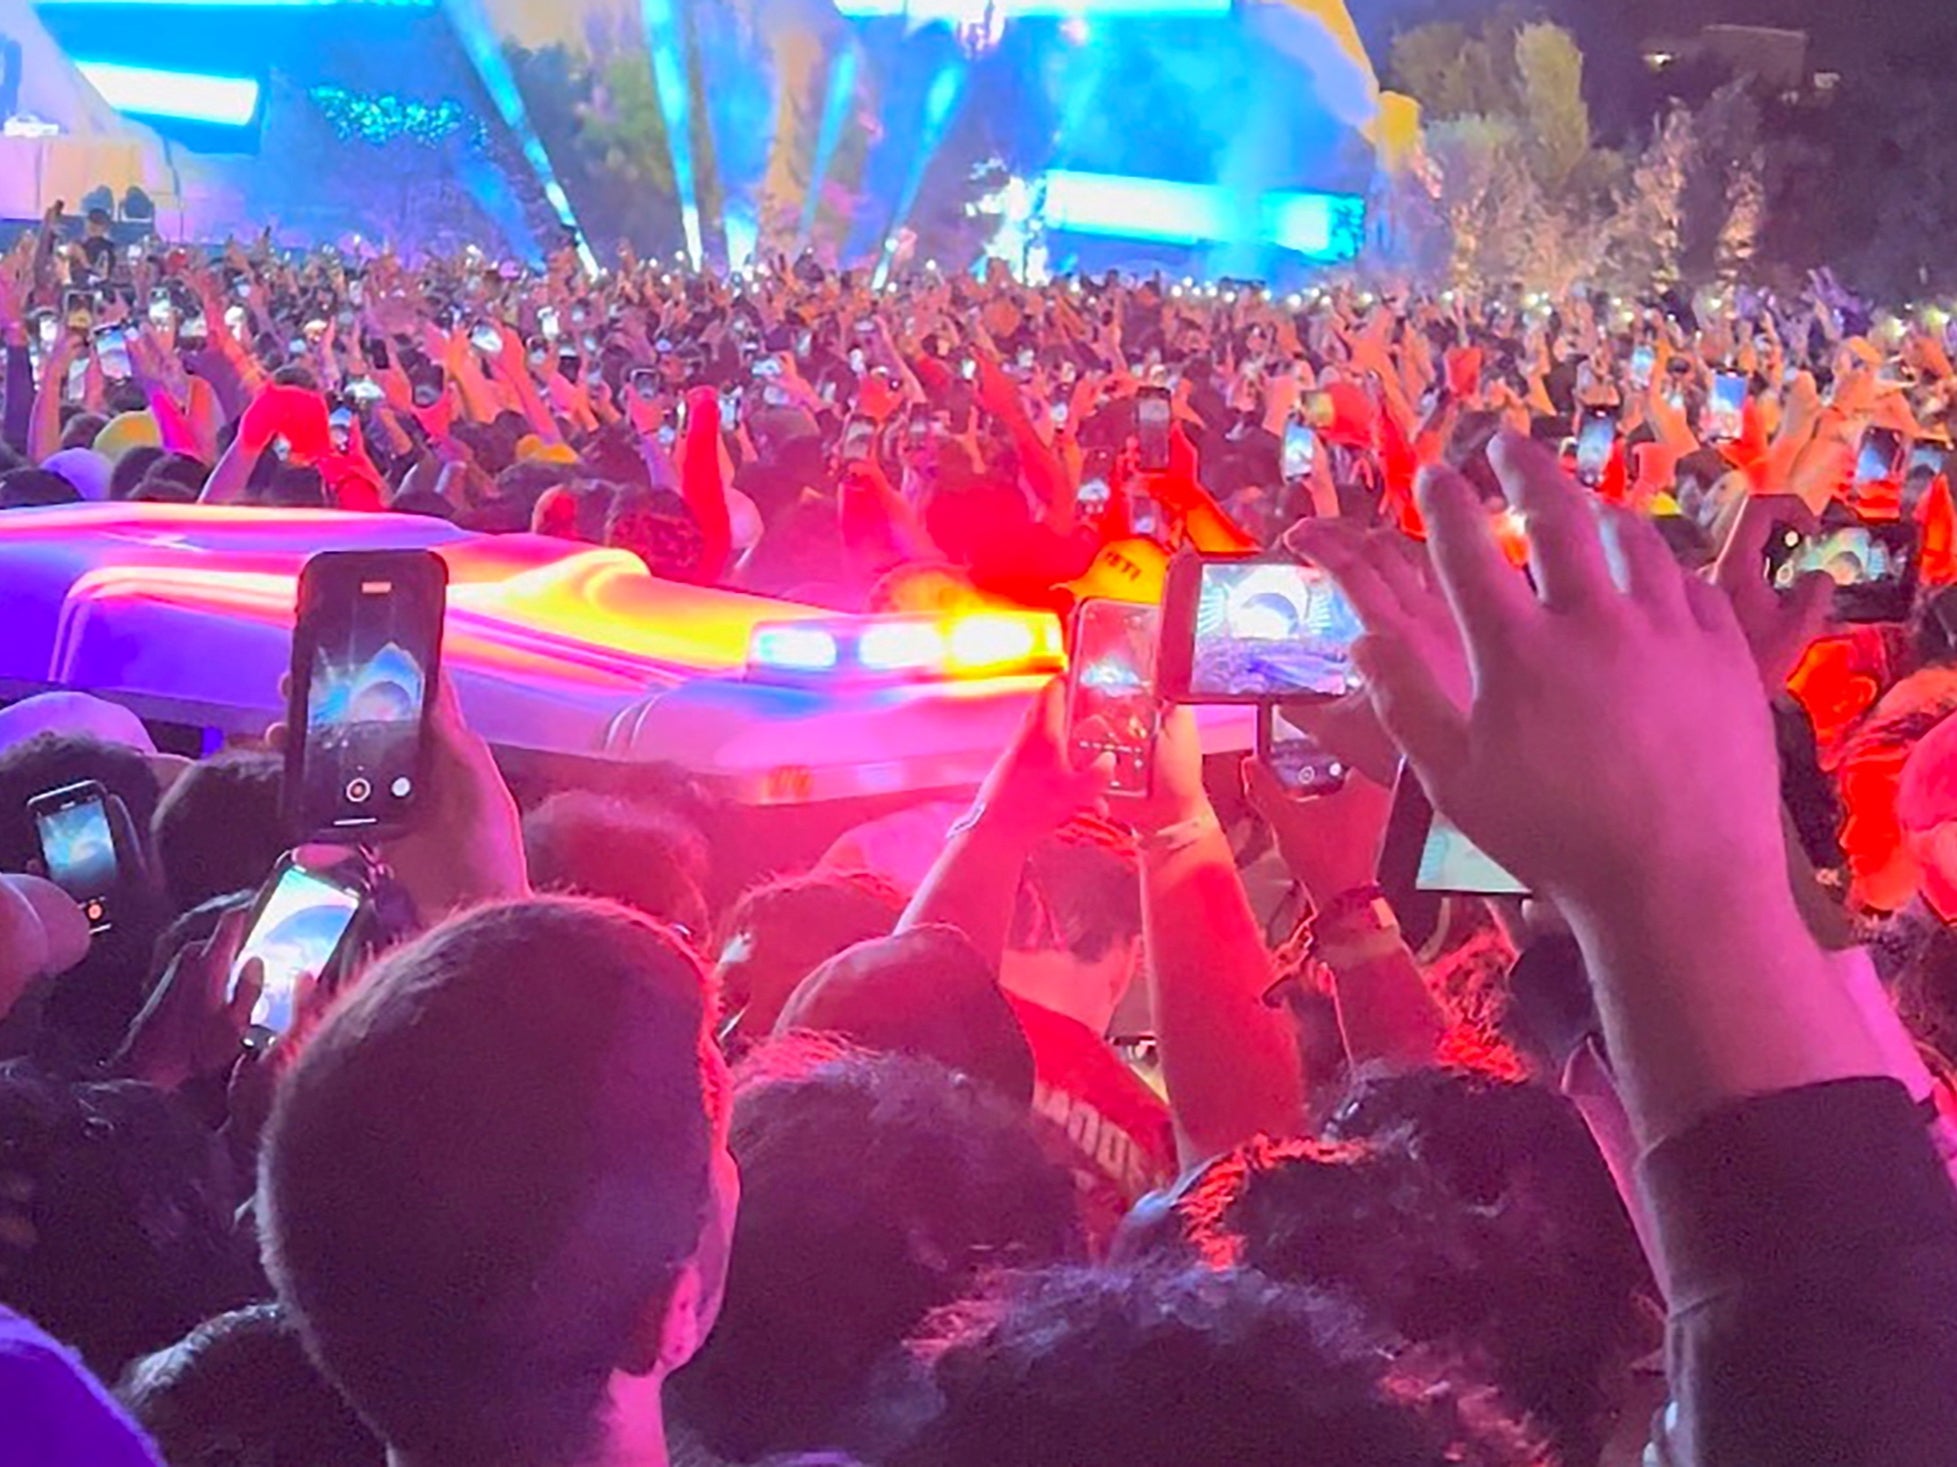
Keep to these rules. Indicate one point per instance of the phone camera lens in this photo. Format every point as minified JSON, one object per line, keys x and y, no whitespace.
{"x":402,"y":787}
{"x":359,"y":790}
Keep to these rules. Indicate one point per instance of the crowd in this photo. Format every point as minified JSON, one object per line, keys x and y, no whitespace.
{"x":1025,"y":1129}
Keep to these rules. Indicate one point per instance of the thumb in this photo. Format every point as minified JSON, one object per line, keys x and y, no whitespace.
{"x":244,"y":994}
{"x":1806,"y":607}
{"x":1417,"y":715}
{"x":1261,"y":788}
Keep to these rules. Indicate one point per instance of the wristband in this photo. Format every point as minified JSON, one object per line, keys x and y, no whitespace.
{"x":1354,"y":899}
{"x":1171,"y":839}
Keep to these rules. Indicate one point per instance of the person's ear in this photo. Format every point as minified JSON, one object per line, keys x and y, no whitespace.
{"x":684,"y":1329}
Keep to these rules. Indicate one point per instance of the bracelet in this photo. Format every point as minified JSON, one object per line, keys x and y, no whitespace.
{"x":1352,"y":900}
{"x":1346,"y":955}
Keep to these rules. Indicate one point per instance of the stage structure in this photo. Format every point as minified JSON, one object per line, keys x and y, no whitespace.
{"x":1237,"y":137}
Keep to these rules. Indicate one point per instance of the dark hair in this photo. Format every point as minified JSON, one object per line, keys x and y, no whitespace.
{"x":220,"y":828}
{"x":423,"y":502}
{"x":180,"y":468}
{"x":1120,"y":1368}
{"x":239,"y":1388}
{"x":30,"y":488}
{"x":295,"y":486}
{"x":601,"y":845}
{"x":163,"y":491}
{"x":874,"y":1189}
{"x":130,"y":1209}
{"x":791,"y":926}
{"x":1081,"y":892}
{"x":486,"y":1167}
{"x":657,"y":526}
{"x":82,"y":429}
{"x":131,"y":469}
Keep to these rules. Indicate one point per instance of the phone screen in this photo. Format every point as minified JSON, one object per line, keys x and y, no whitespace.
{"x":1270,"y":629}
{"x":1449,"y":861}
{"x":1928,"y":458}
{"x":1152,"y":429}
{"x":487,"y":340}
{"x":1725,"y":407}
{"x":1299,"y":451}
{"x":1876,"y":459}
{"x":112,"y":351}
{"x":858,"y":438}
{"x":1852,"y":556}
{"x":1642,"y":361}
{"x":365,"y":653}
{"x":1594,"y":441}
{"x":79,"y":849}
{"x":1111,"y":702}
{"x":300,"y":924}
{"x":1302,"y":764}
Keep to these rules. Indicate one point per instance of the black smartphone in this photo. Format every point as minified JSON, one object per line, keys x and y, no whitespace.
{"x":1111,"y":702}
{"x":1241,"y":629}
{"x":1595,"y":437}
{"x":301,"y":926}
{"x":1299,"y":451}
{"x":1300,"y":763}
{"x":366,"y":652}
{"x":1152,"y":417}
{"x":1873,"y":566}
{"x":1880,"y":456}
{"x":645,"y":383}
{"x":78,"y":848}
{"x":1424,"y":858}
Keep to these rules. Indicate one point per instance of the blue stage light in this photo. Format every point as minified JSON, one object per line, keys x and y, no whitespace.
{"x":676,"y":107}
{"x":836,"y":108}
{"x":971,"y":12}
{"x":1319,"y":226}
{"x":186,"y":96}
{"x":940,"y":106}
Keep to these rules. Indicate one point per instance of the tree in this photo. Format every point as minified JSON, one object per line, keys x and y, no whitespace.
{"x":1557,"y":120}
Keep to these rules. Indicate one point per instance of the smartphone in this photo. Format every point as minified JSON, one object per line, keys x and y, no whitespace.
{"x":968,"y":368}
{"x":340,"y":425}
{"x":1928,"y":458}
{"x":1152,"y":429}
{"x":364,"y":390}
{"x":112,"y":351}
{"x":856,"y":360}
{"x":1057,"y":414}
{"x":1299,"y":451}
{"x":1111,"y":704}
{"x":78,"y":848}
{"x":487,"y":340}
{"x":1300,"y":763}
{"x":1254,"y":630}
{"x":1873,"y":567}
{"x":1643,"y":359}
{"x":49,"y":329}
{"x":1725,"y":407}
{"x":859,"y":436}
{"x":1880,"y":455}
{"x":1424,"y":857}
{"x":767,"y":367}
{"x":645,"y":383}
{"x":366,"y":652}
{"x":161,"y":311}
{"x":299,"y":928}
{"x":1595,"y":438}
{"x":547,"y":323}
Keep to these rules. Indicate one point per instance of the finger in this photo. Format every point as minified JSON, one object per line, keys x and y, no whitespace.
{"x":1566,"y":552}
{"x":1261,"y":789}
{"x":1712,"y":608}
{"x":1430,"y":730}
{"x":1746,"y":547}
{"x":1402,"y":564}
{"x":1048,"y":715}
{"x":244,"y":996}
{"x":1337,"y":551}
{"x":1644,"y":566}
{"x":1489,"y":600}
{"x":1807,"y":606}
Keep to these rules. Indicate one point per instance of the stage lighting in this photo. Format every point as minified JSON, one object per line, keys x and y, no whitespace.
{"x":975,"y":12}
{"x":138,"y":207}
{"x":183,"y":96}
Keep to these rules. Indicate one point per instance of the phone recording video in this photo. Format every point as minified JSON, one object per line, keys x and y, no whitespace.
{"x":365,"y":655}
{"x":297,"y":930}
{"x":487,"y":339}
{"x":645,"y":383}
{"x":1152,"y":417}
{"x":1879,"y":457}
{"x":1111,"y":703}
{"x":1725,"y":407}
{"x":1873,"y":567}
{"x":859,"y":439}
{"x":1299,"y":451}
{"x":1424,"y":857}
{"x":1594,"y":441}
{"x":78,"y":847}
{"x":1302,"y":765}
{"x":1643,"y":359}
{"x":1255,"y":631}
{"x":112,"y":352}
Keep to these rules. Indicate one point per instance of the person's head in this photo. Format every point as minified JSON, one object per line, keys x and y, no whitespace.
{"x":98,"y":222}
{"x":423,"y":502}
{"x":132,"y":468}
{"x":874,"y":1189}
{"x":1122,"y":1368}
{"x":600,"y":845}
{"x":180,"y":468}
{"x":294,"y":486}
{"x":657,"y":526}
{"x":221,"y":827}
{"x":33,"y":488}
{"x":82,"y":429}
{"x":1077,"y":932}
{"x":925,"y":991}
{"x":163,"y":491}
{"x":239,"y":1388}
{"x":776,"y":934}
{"x":119,"y":1206}
{"x":494,"y":1187}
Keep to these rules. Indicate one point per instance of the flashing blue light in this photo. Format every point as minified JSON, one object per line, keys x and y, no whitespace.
{"x":186,"y":96}
{"x":835,"y":116}
{"x":901,"y":646}
{"x":1319,"y":226}
{"x":794,"y":649}
{"x":676,"y":107}
{"x":940,"y":104}
{"x":971,"y":12}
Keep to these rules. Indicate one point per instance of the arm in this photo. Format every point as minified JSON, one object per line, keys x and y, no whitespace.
{"x":20,"y":393}
{"x":700,"y":481}
{"x":1228,"y":1057}
{"x":44,"y":428}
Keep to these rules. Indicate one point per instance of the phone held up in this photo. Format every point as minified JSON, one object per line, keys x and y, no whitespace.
{"x":1873,"y":566}
{"x":1303,"y":767}
{"x":1152,"y":420}
{"x":1111,"y":701}
{"x":1239,"y":629}
{"x":304,"y":925}
{"x":366,"y":652}
{"x":78,"y":848}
